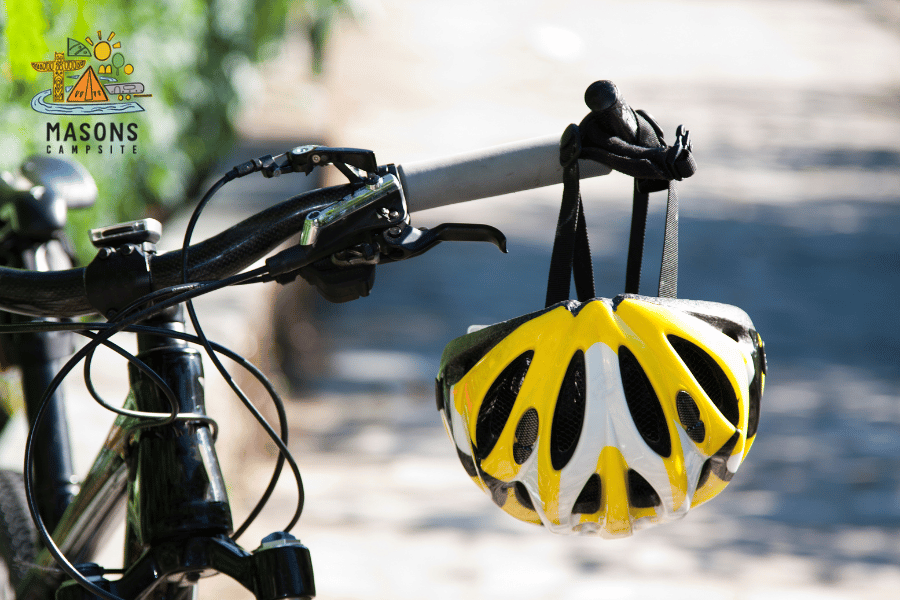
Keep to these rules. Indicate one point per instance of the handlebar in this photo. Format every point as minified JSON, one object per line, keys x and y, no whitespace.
{"x":413,"y":187}
{"x":485,"y":173}
{"x":480,"y":174}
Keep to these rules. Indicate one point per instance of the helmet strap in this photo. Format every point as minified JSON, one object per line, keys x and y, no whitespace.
{"x":655,"y":166}
{"x":571,"y":249}
{"x":668,"y":274}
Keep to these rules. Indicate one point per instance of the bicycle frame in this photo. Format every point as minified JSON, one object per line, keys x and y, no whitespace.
{"x":177,"y":514}
{"x":166,"y":477}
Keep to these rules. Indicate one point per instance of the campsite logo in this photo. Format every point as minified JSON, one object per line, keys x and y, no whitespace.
{"x":103,"y":92}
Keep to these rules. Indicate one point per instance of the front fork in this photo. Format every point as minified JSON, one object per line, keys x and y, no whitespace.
{"x":39,"y":357}
{"x":178,"y":517}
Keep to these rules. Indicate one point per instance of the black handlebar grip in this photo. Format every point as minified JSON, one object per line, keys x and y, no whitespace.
{"x":610,"y":112}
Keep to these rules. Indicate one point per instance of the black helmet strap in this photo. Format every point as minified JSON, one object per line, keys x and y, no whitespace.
{"x":668,"y":273}
{"x":654,"y":166}
{"x":571,"y":250}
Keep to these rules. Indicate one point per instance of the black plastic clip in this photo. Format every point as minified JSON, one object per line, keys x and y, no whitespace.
{"x":116,"y":277}
{"x":679,"y":161}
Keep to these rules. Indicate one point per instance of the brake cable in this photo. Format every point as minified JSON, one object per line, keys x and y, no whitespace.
{"x":107,"y":331}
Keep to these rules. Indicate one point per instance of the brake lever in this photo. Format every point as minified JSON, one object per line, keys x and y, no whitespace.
{"x":341,"y":243}
{"x":409,"y":241}
{"x":350,"y":273}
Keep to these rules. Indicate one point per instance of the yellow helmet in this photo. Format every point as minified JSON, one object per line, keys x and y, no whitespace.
{"x":605,"y":416}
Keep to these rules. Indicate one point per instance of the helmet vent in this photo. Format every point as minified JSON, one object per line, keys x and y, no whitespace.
{"x":526,"y":435}
{"x":523,"y":496}
{"x":709,"y":375}
{"x":718,"y":462}
{"x":439,"y":392}
{"x":733,"y":332}
{"x":640,"y":493}
{"x":643,"y":404}
{"x":568,"y":416}
{"x":588,"y":501}
{"x":498,"y":403}
{"x":689,"y":415}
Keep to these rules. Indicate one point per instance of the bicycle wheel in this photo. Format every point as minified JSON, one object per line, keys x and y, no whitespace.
{"x":18,"y":537}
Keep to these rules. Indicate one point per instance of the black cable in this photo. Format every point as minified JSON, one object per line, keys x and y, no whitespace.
{"x":263,"y":279}
{"x":195,"y":322}
{"x":203,"y":288}
{"x":192,"y":222}
{"x":156,"y":295}
{"x":282,"y":420}
{"x":284,"y":454}
{"x":145,"y":369}
{"x":100,"y":338}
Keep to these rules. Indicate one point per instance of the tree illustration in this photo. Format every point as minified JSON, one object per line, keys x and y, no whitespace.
{"x":118,"y":61}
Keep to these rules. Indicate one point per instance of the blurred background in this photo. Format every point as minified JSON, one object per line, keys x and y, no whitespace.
{"x":794,"y":109}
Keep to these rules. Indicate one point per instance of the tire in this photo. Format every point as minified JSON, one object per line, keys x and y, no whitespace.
{"x":18,"y":537}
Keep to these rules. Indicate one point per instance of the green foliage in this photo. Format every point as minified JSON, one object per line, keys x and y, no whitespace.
{"x":187,"y":53}
{"x":24,"y":33}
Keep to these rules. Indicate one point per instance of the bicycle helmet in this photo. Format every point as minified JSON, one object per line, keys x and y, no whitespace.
{"x":608,"y":415}
{"x":605,"y":416}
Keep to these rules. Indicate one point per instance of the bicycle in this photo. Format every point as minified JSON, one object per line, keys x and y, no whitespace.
{"x":159,"y":459}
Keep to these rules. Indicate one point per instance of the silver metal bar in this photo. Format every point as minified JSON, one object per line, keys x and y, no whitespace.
{"x":488,"y":172}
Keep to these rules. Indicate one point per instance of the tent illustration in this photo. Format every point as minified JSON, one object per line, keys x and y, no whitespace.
{"x":88,"y":89}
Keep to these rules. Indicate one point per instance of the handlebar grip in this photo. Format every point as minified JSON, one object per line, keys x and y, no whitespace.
{"x":487,"y":172}
{"x":610,"y":112}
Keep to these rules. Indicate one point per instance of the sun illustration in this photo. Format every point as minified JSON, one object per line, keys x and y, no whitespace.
{"x":103,"y":49}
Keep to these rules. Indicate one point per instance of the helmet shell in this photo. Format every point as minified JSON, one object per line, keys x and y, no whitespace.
{"x":605,"y":416}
